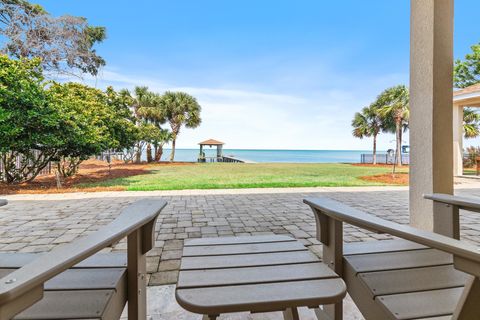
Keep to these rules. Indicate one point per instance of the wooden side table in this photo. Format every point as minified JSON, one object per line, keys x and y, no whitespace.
{"x":255,"y":274}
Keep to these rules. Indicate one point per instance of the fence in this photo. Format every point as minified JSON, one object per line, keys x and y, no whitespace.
{"x":18,"y":163}
{"x":109,"y":156}
{"x":383,"y":158}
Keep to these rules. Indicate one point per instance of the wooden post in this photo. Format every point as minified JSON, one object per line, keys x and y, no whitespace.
{"x":136,"y":270}
{"x":431,"y":107}
{"x":446,"y":220}
{"x":200,"y":155}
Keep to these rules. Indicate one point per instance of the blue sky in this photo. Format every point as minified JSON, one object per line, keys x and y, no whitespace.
{"x":268,"y":74}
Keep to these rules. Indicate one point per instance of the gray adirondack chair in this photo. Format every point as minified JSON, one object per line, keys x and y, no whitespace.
{"x":75,"y":282}
{"x":421,"y":275}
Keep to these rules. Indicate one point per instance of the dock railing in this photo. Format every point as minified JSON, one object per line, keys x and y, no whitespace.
{"x":230,"y":159}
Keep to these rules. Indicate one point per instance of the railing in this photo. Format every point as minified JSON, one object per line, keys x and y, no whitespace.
{"x":210,"y":159}
{"x":383,"y":158}
{"x":223,"y":159}
{"x":232,"y":159}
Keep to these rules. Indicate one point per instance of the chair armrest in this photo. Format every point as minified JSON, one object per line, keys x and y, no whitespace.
{"x":341,"y":212}
{"x":465,"y":203}
{"x":26,"y":283}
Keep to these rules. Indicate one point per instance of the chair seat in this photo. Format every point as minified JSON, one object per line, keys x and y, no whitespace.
{"x":92,"y":289}
{"x":398,"y":279}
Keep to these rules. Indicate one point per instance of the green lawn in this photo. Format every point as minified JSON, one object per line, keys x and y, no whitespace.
{"x":470,"y":171}
{"x":240,"y":175}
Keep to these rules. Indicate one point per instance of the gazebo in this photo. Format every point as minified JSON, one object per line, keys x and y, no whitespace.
{"x":210,"y":143}
{"x":467,"y":97}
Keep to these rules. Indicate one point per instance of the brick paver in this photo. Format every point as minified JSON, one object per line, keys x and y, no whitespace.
{"x":40,"y":225}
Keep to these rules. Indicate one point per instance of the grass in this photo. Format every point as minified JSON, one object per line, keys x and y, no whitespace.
{"x":470,"y":171}
{"x":240,"y":175}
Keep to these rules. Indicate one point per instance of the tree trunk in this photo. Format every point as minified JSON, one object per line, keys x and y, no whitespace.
{"x":172,"y":155}
{"x":374,"y":149}
{"x":149,"y":153}
{"x":158,"y":153}
{"x":398,"y":151}
{"x":138,"y":153}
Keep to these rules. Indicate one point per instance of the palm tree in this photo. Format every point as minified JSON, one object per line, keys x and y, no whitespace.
{"x":180,"y":109}
{"x":471,"y":123}
{"x":368,"y":123}
{"x":146,"y":109}
{"x":393,"y":104}
{"x":164,"y":137}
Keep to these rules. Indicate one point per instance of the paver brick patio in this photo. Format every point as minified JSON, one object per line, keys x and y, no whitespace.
{"x":40,"y":225}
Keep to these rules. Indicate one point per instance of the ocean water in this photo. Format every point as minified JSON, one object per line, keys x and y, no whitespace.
{"x":258,"y":155}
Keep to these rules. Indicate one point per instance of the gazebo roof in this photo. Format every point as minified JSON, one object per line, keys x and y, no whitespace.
{"x":211,"y":142}
{"x":469,"y":89}
{"x":469,"y":96}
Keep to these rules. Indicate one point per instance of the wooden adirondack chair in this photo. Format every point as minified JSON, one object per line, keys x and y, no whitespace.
{"x":73,"y":282}
{"x":422,"y":275}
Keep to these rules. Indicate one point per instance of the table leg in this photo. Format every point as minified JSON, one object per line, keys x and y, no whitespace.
{"x":210,"y":316}
{"x":291,"y":314}
{"x":323,"y":314}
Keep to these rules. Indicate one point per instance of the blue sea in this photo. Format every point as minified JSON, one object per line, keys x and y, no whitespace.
{"x":258,"y":155}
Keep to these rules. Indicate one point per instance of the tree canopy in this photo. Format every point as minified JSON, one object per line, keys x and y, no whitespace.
{"x":64,"y":44}
{"x":29,"y":122}
{"x":180,"y":109}
{"x":368,"y":123}
{"x":467,"y":71}
{"x":47,"y":121}
{"x":471,"y":123}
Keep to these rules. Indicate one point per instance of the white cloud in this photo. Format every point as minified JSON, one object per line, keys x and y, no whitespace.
{"x":271,"y":120}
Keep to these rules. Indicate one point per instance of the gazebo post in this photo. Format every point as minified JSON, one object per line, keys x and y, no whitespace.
{"x":201,"y":158}
{"x":457,"y":139}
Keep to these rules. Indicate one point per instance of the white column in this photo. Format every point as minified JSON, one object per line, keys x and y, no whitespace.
{"x":431,"y":64}
{"x":457,"y":140}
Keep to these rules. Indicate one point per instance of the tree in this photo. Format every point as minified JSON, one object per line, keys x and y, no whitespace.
{"x":368,"y":123}
{"x":153,"y":112}
{"x":162,"y":137}
{"x":157,"y":137}
{"x":30,"y":124}
{"x":63,"y":44}
{"x":146,"y":106}
{"x":471,"y":123}
{"x":64,"y":123}
{"x":121,"y":125}
{"x":92,"y":124}
{"x":467,"y":72}
{"x":181,"y":109}
{"x":96,"y":122}
{"x":393,"y":104}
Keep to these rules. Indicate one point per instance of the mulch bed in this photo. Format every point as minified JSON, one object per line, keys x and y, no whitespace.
{"x":90,"y":171}
{"x":389,"y":178}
